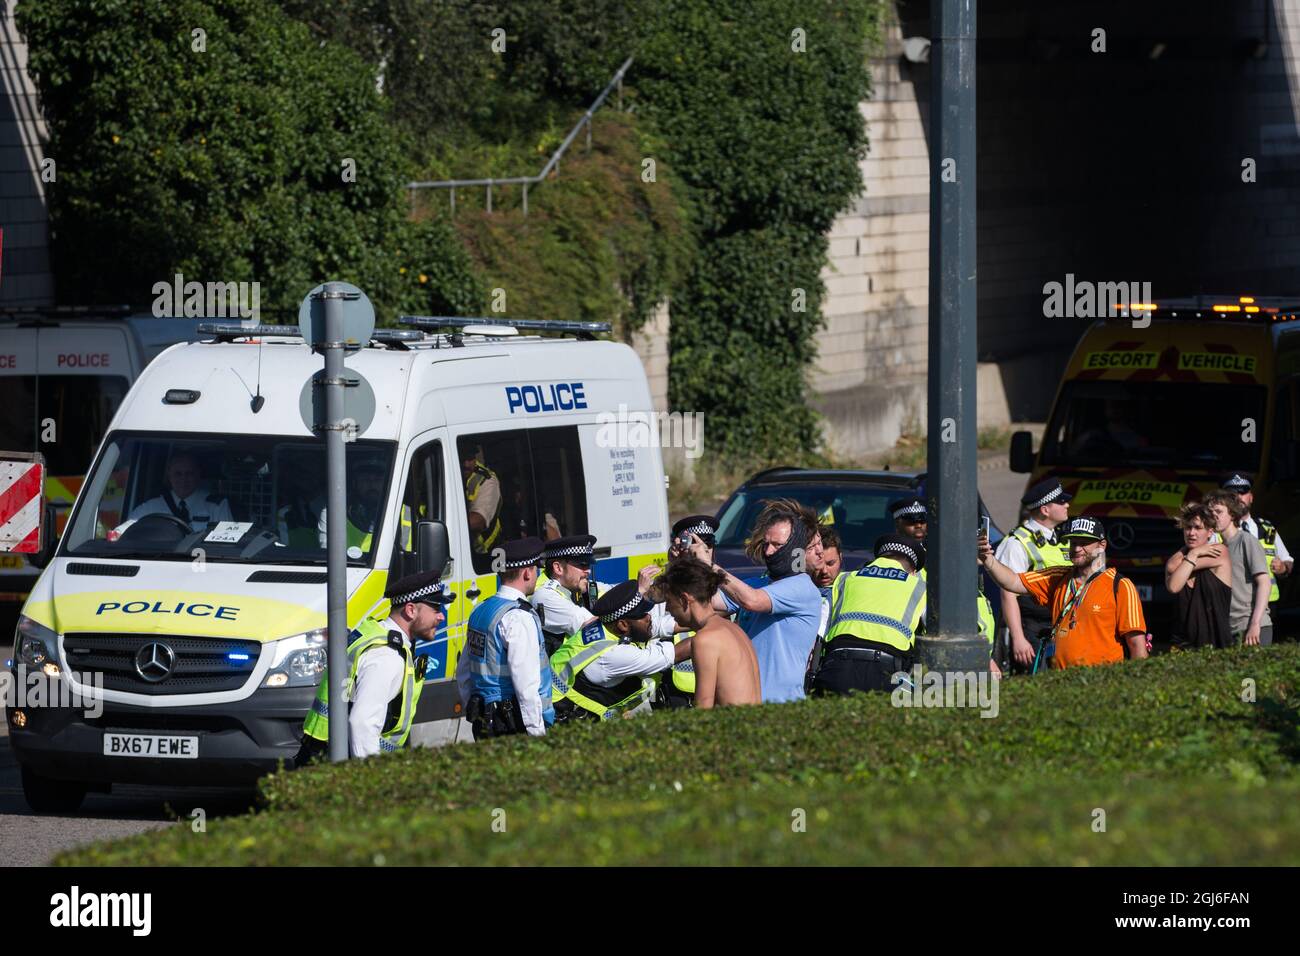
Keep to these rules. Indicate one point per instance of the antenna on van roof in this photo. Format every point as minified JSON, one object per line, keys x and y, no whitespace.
{"x":585,"y":330}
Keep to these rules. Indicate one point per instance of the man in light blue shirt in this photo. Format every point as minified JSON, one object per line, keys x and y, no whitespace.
{"x":781,"y":610}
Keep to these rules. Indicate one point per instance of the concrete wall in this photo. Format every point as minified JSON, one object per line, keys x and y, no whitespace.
{"x":25,"y":277}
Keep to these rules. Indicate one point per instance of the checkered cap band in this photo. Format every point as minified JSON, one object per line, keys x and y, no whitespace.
{"x":419,"y":594}
{"x":524,"y":562}
{"x":1047,"y":498}
{"x":912,"y":508}
{"x":631,"y":605}
{"x":897,"y":547}
{"x":1237,"y":483}
{"x":703,"y":529}
{"x":570,"y":551}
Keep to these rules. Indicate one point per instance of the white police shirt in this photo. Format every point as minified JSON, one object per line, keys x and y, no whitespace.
{"x":1011,"y":550}
{"x":380,"y":673}
{"x":522,"y":658}
{"x":202,"y":511}
{"x":560,"y":613}
{"x":662,"y":624}
{"x":630,"y":660}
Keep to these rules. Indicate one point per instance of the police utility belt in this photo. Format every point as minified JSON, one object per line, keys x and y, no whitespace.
{"x":865,"y":652}
{"x":498,"y":719}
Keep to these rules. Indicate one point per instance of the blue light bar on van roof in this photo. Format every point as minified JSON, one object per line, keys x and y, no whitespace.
{"x":537,"y":325}
{"x":228,"y":330}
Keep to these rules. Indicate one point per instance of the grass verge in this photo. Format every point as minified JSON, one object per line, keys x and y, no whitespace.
{"x":1185,"y":770}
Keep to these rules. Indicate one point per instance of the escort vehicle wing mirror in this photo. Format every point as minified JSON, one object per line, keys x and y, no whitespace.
{"x":1022,"y":452}
{"x":434,"y":548}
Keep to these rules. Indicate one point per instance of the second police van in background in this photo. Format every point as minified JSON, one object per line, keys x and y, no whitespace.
{"x":237,"y":609}
{"x":63,"y":373}
{"x":1157,"y":406}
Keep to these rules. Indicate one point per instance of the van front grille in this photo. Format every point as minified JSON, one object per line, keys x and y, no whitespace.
{"x":177,"y":665}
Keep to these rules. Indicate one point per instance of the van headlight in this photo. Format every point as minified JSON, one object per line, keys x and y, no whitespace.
{"x":299,"y":660}
{"x":36,"y":646}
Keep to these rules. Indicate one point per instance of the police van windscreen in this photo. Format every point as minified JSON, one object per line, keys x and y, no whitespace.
{"x":860,"y":511}
{"x":1190,"y":425}
{"x":64,"y":418}
{"x":243,"y":498}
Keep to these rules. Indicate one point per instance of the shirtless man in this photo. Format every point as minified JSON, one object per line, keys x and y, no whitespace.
{"x":726,"y":668}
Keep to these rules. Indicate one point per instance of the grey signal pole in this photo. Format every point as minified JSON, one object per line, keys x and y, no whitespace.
{"x":952,"y":642}
{"x":336,"y":541}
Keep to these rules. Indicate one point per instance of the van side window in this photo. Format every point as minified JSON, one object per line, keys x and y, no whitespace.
{"x":422,"y":500}
{"x":521,"y":482}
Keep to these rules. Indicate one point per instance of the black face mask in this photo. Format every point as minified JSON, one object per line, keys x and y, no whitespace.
{"x":781,"y":564}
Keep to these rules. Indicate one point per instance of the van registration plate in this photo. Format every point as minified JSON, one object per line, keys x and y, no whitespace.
{"x":142,"y":745}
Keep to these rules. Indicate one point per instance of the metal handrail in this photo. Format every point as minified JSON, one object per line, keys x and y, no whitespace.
{"x":552,"y":164}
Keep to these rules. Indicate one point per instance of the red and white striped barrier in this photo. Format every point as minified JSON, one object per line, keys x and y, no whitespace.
{"x":20,"y":505}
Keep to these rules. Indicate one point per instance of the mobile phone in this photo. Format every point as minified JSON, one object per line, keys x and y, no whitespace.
{"x":984,"y":526}
{"x":683,"y":542}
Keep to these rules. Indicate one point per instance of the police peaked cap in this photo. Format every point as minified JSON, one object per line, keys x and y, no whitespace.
{"x":702,"y":526}
{"x":619,"y":602}
{"x":523,"y":552}
{"x":906,"y":507}
{"x":575,"y":548}
{"x":895,"y":545}
{"x":1044,"y":493}
{"x":423,"y":588}
{"x":1236,"y":482}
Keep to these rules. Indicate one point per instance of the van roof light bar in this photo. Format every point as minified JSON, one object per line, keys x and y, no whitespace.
{"x":226,"y":331}
{"x":584,"y":330}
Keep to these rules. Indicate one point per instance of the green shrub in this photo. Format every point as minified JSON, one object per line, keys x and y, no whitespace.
{"x":1142,"y":739}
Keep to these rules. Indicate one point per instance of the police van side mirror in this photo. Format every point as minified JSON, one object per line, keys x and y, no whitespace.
{"x":433,"y":546}
{"x":49,"y":539}
{"x":1022,"y":452}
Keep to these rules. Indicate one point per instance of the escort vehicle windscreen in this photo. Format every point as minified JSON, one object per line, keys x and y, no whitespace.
{"x":234,"y":498}
{"x":1183,"y":425}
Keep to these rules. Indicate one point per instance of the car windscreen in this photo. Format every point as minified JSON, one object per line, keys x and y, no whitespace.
{"x":1156,"y":424}
{"x":67,"y":413}
{"x":859,"y":511}
{"x":245,"y":498}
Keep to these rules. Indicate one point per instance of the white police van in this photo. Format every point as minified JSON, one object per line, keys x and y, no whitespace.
{"x":209,"y":635}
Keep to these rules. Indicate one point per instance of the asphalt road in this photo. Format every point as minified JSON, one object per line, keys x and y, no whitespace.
{"x":28,"y":839}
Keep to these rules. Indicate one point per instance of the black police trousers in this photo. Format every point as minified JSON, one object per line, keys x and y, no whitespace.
{"x":858,"y":668}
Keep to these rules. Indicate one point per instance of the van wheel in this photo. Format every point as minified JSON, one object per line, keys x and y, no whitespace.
{"x":45,"y":795}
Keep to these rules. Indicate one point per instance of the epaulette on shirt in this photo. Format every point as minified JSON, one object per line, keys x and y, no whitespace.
{"x":395,"y":641}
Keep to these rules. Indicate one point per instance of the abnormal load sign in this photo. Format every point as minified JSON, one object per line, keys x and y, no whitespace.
{"x":21,"y":480}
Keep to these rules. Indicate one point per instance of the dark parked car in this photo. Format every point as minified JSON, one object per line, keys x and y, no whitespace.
{"x":857,"y":500}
